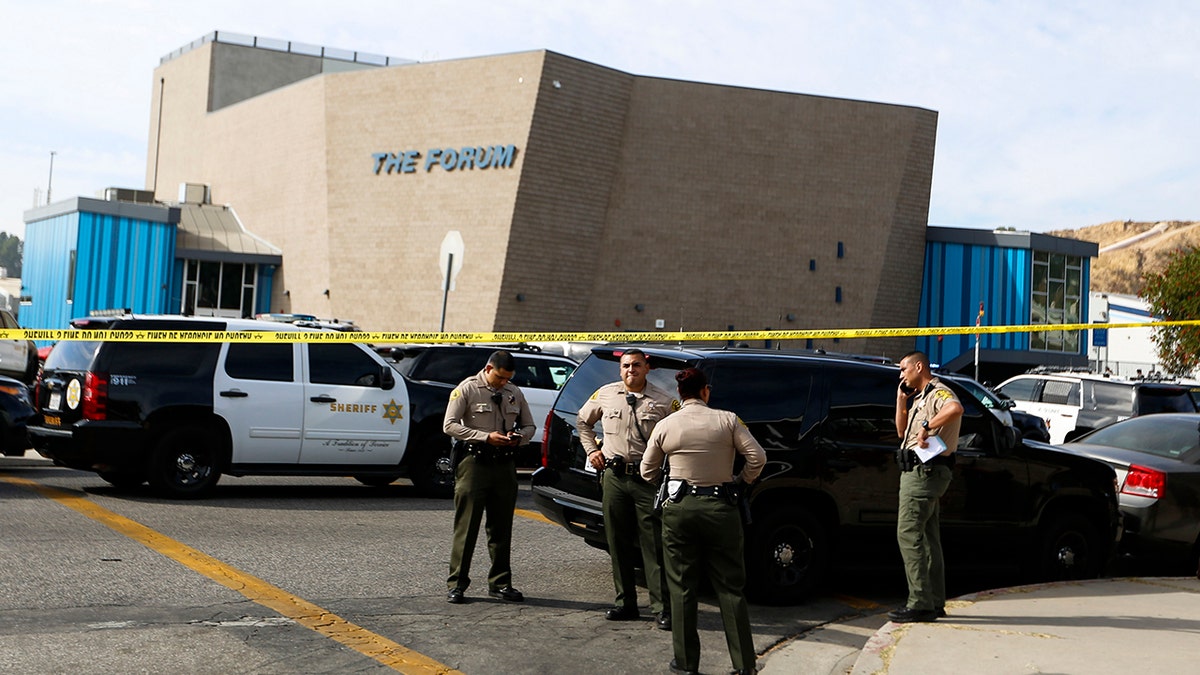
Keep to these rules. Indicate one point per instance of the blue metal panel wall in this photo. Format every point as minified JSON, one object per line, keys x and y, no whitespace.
{"x":44,"y":277}
{"x":262,"y":296}
{"x":960,"y":276}
{"x":123,"y":262}
{"x":175,"y":288}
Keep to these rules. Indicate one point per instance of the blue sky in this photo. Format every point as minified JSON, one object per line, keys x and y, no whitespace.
{"x":1052,"y":115}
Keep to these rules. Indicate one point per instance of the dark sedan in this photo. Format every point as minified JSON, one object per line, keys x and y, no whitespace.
{"x":1157,"y":460}
{"x":16,"y":411}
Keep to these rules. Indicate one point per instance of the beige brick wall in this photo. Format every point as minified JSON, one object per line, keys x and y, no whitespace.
{"x":702,"y":203}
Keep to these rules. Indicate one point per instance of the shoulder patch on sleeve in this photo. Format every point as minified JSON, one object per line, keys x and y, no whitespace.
{"x":595,"y":395}
{"x":942,"y":394}
{"x":455,"y":394}
{"x":739,"y":419}
{"x":675,"y":404}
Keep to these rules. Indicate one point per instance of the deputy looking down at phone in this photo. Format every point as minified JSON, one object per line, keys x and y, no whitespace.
{"x":928,"y":417}
{"x":487,"y":417}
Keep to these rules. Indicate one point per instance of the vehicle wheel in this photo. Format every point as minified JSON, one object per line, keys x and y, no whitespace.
{"x":431,"y":471}
{"x":125,"y":480}
{"x":787,"y":556}
{"x":377,"y":481}
{"x":1069,"y":548}
{"x":184,"y":463}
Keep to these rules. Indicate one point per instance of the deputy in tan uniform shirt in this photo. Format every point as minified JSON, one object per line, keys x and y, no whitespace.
{"x":628,"y":411}
{"x":488,"y":418}
{"x":702,"y":527}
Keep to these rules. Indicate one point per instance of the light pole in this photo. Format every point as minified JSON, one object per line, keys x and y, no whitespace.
{"x":50,"y":182}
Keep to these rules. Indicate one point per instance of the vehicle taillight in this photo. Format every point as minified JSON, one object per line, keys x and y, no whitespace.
{"x":95,"y":396}
{"x":546,"y":438}
{"x":1143,"y":481}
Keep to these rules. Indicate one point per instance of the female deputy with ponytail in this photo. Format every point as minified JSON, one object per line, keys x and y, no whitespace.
{"x":701,"y":524}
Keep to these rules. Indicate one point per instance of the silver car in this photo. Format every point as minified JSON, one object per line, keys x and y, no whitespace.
{"x":1157,"y":461}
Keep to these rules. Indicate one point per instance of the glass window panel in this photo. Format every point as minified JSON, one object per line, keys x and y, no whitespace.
{"x":231,"y":285}
{"x":270,"y":362}
{"x":209,"y":282}
{"x":345,"y":364}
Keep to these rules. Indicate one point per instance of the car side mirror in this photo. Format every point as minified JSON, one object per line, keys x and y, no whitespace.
{"x":386,"y":379}
{"x":1007,"y":404}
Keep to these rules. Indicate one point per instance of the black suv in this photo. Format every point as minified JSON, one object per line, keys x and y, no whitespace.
{"x":180,"y":414}
{"x":828,"y":493}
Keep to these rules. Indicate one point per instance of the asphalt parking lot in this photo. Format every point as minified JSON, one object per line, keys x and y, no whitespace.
{"x":281,"y":575}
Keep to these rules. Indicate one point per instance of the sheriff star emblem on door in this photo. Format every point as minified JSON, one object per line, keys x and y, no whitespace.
{"x":391,"y":411}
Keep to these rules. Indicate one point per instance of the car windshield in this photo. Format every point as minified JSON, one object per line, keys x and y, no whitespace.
{"x":987,"y":398}
{"x":72,"y":355}
{"x":603,"y":367}
{"x":1156,"y":399}
{"x":1161,"y":435}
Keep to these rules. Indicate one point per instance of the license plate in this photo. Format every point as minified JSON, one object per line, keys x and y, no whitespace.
{"x":53,"y":420}
{"x":55,"y":400}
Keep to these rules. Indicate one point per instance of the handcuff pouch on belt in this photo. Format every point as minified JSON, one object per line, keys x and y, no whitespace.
{"x":907,"y":460}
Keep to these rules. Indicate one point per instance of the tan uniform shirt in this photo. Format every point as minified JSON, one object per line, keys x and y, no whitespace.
{"x":925,"y":405}
{"x":471,"y":414}
{"x":701,"y":444}
{"x":620,"y":424}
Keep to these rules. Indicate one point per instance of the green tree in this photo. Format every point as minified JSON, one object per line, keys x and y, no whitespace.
{"x":11,"y":252}
{"x":1174,"y":295}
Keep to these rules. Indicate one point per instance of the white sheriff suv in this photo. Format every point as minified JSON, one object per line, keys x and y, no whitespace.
{"x":180,"y":414}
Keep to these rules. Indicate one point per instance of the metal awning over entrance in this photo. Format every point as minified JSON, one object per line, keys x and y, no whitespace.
{"x":214,"y":233}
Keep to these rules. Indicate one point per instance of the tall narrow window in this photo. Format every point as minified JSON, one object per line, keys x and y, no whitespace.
{"x":1056,"y":298}
{"x":71,"y":278}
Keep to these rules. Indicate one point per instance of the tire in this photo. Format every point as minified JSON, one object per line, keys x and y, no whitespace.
{"x":124,"y":480}
{"x":787,"y":557}
{"x":377,"y":481}
{"x":185,"y":463}
{"x":431,"y":471}
{"x":1069,"y":548}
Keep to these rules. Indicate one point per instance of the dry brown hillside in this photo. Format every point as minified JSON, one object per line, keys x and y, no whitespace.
{"x":1120,"y":268}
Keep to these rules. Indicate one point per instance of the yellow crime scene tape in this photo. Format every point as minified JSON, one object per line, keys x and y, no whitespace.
{"x":511,"y":337}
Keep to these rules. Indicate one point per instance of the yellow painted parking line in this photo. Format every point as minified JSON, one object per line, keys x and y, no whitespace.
{"x":533,"y":515}
{"x":361,"y":640}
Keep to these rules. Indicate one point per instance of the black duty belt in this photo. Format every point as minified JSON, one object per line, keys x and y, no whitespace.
{"x":619,"y":467}
{"x":941,"y":460}
{"x":486,"y":452}
{"x":723,"y":491}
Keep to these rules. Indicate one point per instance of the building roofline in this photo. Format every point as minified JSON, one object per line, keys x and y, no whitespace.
{"x":1032,"y":241}
{"x":137,"y":211}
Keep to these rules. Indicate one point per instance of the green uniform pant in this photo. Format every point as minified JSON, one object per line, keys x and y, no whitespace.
{"x":483,"y":487}
{"x":918,"y":533}
{"x":705,"y":534}
{"x":629,"y":523}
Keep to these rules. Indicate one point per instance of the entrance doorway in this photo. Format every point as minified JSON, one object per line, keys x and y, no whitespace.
{"x":223,"y":289}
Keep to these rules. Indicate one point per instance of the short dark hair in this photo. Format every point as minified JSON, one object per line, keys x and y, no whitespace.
{"x":690,"y":382}
{"x":502,"y":360}
{"x":920,"y":357}
{"x":635,"y":352}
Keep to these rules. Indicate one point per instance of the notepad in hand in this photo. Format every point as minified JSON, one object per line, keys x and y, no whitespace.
{"x":934,"y":446}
